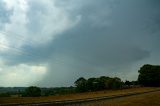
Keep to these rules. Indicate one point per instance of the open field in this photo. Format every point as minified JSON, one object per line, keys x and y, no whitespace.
{"x":148,"y":99}
{"x":8,"y":100}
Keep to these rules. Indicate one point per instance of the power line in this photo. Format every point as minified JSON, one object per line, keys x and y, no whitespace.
{"x":58,"y":61}
{"x":19,"y":51}
{"x":15,"y":48}
{"x":20,"y":37}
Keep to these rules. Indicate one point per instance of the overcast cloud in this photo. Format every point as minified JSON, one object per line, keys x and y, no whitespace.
{"x":54,"y":42}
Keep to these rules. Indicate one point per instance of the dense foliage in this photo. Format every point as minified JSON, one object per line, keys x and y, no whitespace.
{"x":32,"y":91}
{"x":149,"y":75}
{"x":57,"y":91}
{"x":5,"y":94}
{"x":101,"y":83}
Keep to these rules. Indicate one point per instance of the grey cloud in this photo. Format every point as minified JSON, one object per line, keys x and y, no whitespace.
{"x":4,"y":14}
{"x":34,"y":13}
{"x":112,"y":37}
{"x":120,"y":44}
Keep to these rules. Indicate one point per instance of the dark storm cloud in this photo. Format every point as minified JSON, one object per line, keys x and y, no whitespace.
{"x":112,"y":37}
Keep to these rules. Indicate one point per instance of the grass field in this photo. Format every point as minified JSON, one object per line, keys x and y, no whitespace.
{"x":149,"y":99}
{"x":127,"y":101}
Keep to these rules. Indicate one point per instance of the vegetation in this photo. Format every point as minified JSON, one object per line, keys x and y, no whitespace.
{"x":81,"y":84}
{"x":149,"y":75}
{"x":57,"y":91}
{"x":32,"y":91}
{"x":149,"y":99}
{"x":95,"y":84}
{"x":7,"y":94}
{"x":85,"y":95}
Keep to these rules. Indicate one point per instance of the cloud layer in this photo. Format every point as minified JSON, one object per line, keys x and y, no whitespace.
{"x":59,"y":41}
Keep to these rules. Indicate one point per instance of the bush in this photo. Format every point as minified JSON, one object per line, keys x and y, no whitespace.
{"x":32,"y":91}
{"x":5,"y":94}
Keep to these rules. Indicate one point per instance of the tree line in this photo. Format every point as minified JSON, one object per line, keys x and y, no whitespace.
{"x":149,"y":75}
{"x":95,"y":84}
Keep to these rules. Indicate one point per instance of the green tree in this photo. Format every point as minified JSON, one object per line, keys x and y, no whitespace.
{"x":149,"y":75}
{"x":91,"y":84}
{"x":80,"y":84}
{"x":128,"y":83}
{"x":103,"y":80}
{"x":114,"y":83}
{"x":101,"y":83}
{"x":32,"y":91}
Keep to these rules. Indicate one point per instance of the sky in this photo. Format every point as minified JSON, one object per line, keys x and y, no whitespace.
{"x":51,"y":43}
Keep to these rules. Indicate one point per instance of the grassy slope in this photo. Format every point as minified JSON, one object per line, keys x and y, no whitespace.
{"x":71,"y":96}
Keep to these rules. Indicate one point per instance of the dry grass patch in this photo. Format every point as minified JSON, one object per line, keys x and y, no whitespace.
{"x":7,"y":100}
{"x":149,"y":99}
